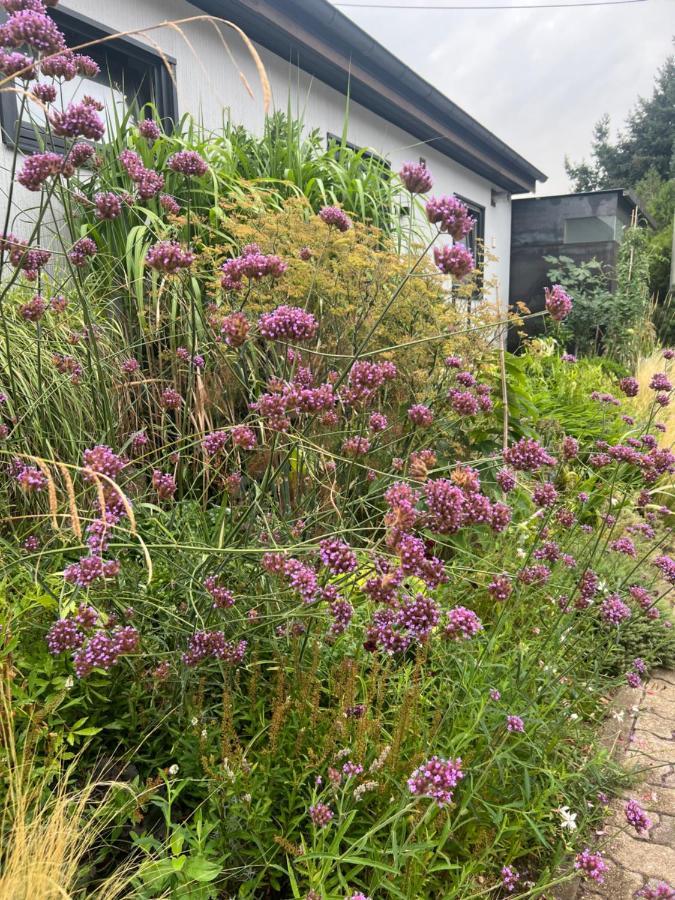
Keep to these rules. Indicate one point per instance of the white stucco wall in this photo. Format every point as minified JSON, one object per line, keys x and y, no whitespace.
{"x":209,"y":86}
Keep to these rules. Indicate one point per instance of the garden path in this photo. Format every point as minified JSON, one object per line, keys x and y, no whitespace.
{"x":647,"y":736}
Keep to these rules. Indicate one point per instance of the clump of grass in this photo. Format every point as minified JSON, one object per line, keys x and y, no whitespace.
{"x":647,"y":367}
{"x":49,"y":830}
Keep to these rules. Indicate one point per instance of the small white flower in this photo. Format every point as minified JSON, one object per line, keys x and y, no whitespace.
{"x":204,"y":732}
{"x":618,"y":715}
{"x":520,"y":553}
{"x":194,"y":721}
{"x":173,"y":770}
{"x":568,"y":819}
{"x":573,"y":717}
{"x":69,"y":682}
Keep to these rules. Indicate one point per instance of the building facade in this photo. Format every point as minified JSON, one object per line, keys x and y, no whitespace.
{"x":317,"y":60}
{"x":582,"y":226}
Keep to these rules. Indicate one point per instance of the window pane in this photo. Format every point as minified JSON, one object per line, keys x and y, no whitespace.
{"x":590,"y":229}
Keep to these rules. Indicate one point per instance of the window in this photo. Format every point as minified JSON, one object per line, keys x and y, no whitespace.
{"x":131,"y":75}
{"x":334,"y":140}
{"x":591,"y":230}
{"x":475,"y":238}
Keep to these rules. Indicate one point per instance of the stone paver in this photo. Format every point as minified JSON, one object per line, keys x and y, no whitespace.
{"x":648,"y":747}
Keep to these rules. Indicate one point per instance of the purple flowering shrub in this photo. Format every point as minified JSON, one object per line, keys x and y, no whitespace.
{"x":264,"y":541}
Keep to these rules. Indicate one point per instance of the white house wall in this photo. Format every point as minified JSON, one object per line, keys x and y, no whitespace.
{"x":209,"y":85}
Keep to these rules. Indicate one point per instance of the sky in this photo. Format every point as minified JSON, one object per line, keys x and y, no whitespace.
{"x":539,"y":78}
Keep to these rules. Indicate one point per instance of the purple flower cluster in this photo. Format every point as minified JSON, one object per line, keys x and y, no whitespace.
{"x":416,"y":178}
{"x":365,"y":379}
{"x":637,"y":817}
{"x":437,"y":778}
{"x":614,"y":610}
{"x":148,"y":182}
{"x":64,"y":635}
{"x":235,"y":328}
{"x":320,"y":814}
{"x":342,"y":612}
{"x":666,"y":565}
{"x":527,"y":455}
{"x":244,"y":437}
{"x":214,"y":442}
{"x":187,"y":162}
{"x":103,"y":650}
{"x":660,"y":382}
{"x":506,"y":480}
{"x":420,"y":415}
{"x":32,"y":28}
{"x":164,"y":483}
{"x":39,"y":167}
{"x":451,"y":216}
{"x":544,"y":495}
{"x":455,"y":260}
{"x":89,"y":570}
{"x":500,"y":588}
{"x":659,"y":891}
{"x":624,"y":545}
{"x":337,"y":556}
{"x":558,"y":302}
{"x":287,"y":323}
{"x":335,"y":217}
{"x":108,"y":205}
{"x":252,"y":264}
{"x":570,"y":448}
{"x":169,"y":257}
{"x":515,"y":723}
{"x":510,"y":878}
{"x":103,"y":460}
{"x":29,"y":259}
{"x":34,"y":309}
{"x":78,"y":120}
{"x":591,"y":865}
{"x":82,"y":251}
{"x":212,"y":645}
{"x":463,"y":624}
{"x":222,"y":597}
{"x":149,"y":129}
{"x":629,"y":386}
{"x":450,"y":508}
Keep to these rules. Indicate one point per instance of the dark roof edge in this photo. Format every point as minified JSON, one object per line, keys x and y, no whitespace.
{"x":629,"y":197}
{"x":325,"y":43}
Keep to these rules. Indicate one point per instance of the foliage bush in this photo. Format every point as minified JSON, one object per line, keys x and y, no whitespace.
{"x":334,"y":588}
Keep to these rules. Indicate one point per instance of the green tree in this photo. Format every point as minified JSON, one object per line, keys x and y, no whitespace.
{"x":647,"y":142}
{"x":642,"y":159}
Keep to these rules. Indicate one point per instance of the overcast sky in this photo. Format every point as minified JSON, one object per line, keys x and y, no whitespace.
{"x":539,"y":79}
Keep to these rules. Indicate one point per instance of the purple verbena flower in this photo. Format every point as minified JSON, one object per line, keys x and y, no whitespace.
{"x":591,"y":865}
{"x":515,"y":723}
{"x":436,"y":779}
{"x":335,"y":217}
{"x":187,"y":162}
{"x":455,"y":260}
{"x":416,"y":178}
{"x":558,"y":302}
{"x":637,"y":817}
{"x":463,"y":623}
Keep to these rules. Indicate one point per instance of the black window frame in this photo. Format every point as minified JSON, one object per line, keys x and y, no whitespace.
{"x":475,"y":239}
{"x":333,"y":140}
{"x":475,"y":242}
{"x":119,"y":55}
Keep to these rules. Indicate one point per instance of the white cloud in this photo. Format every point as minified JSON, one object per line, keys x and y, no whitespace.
{"x":539,"y":79}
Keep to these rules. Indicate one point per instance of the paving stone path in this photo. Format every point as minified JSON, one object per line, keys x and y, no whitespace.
{"x":647,"y":738}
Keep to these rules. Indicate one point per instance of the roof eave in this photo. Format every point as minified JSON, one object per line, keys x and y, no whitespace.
{"x":372,"y":76}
